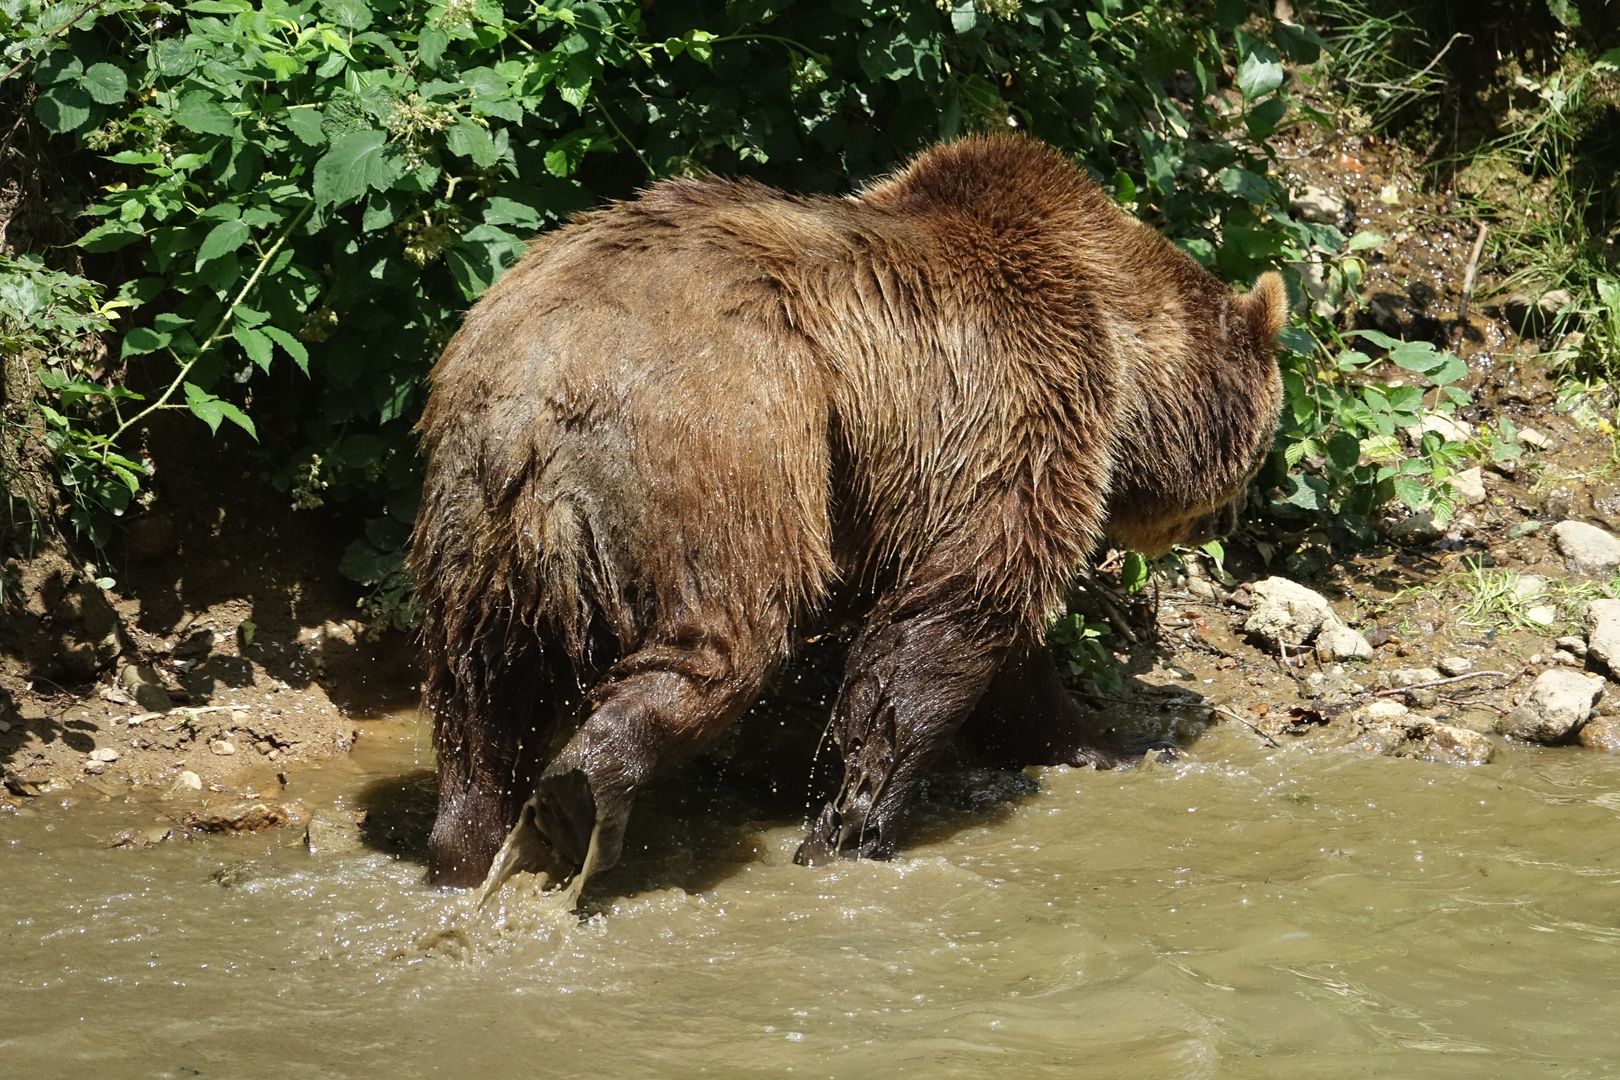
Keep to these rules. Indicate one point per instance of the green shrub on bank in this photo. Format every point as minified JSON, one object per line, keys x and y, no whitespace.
{"x":295,"y":201}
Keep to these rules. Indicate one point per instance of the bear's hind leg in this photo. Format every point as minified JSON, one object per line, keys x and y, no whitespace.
{"x":660,"y":703}
{"x":1028,"y":717}
{"x":492,"y":727}
{"x":916,"y":670}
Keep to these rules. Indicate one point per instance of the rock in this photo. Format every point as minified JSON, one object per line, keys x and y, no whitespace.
{"x":105,"y":754}
{"x":1542,"y":614}
{"x":145,"y":687}
{"x":1533,"y":315}
{"x":1469,"y":487}
{"x":151,"y":537}
{"x":1557,"y":705}
{"x":1286,"y":612}
{"x":1403,"y":677}
{"x":1452,"y":666}
{"x":1564,"y":656}
{"x":1339,"y":642}
{"x":1439,"y":423}
{"x":337,"y":834}
{"x":1602,"y":621}
{"x":1534,"y":439}
{"x":222,"y":747}
{"x":1419,"y":527}
{"x":1380,"y":711}
{"x":1451,"y":744}
{"x":1574,"y":644}
{"x":1587,"y":548}
{"x":1602,"y":733}
{"x":249,"y":815}
{"x":1320,"y":205}
{"x":1528,"y":587}
{"x":189,"y":780}
{"x":1425,"y":698}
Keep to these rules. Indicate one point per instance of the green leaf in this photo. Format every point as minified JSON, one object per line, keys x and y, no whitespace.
{"x":106,"y":83}
{"x":255,"y":343}
{"x":1450,"y":370}
{"x":142,"y":340}
{"x":357,"y":161}
{"x":306,"y":126}
{"x":431,"y":45}
{"x":110,"y":236}
{"x":211,"y":410}
{"x":349,"y":14}
{"x":1419,"y":356}
{"x":1133,"y":572}
{"x":1256,"y":76}
{"x":289,"y":345}
{"x":63,"y":108}
{"x":1365,"y":240}
{"x":222,"y":239}
{"x":199,"y":112}
{"x":470,"y":140}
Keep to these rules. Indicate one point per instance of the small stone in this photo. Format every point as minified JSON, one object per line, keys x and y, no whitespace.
{"x":246,"y":816}
{"x":104,"y":754}
{"x":222,"y":747}
{"x":1564,"y":656}
{"x":1448,"y":429}
{"x":239,"y":718}
{"x":1572,"y":643}
{"x":1420,"y":527}
{"x":1320,"y":205}
{"x":1452,"y":666}
{"x":1558,"y":703}
{"x":1602,"y":621}
{"x":95,"y":768}
{"x":1541,"y":614}
{"x":1602,"y":733}
{"x":1533,"y":314}
{"x":1529,"y":587}
{"x":1423,"y":698}
{"x":1534,"y":439}
{"x":1339,"y":642}
{"x":1587,"y":548}
{"x":145,"y":687}
{"x":189,"y":780}
{"x":1469,"y":487}
{"x":4,"y":727}
{"x":336,"y":834}
{"x":1451,"y":744}
{"x":1286,"y":612}
{"x":1403,"y":677}
{"x":1381,"y":711}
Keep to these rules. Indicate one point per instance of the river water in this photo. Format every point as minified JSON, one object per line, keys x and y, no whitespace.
{"x":1248,"y":912}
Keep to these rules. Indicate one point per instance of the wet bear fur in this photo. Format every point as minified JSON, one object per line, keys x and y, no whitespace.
{"x":686,"y":426}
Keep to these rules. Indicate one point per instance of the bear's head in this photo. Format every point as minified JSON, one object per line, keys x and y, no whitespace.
{"x":1202,"y":422}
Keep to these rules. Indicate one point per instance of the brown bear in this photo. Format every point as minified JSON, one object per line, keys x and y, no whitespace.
{"x":680,"y":425}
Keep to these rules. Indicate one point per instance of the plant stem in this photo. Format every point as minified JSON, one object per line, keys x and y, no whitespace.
{"x":213,"y":336}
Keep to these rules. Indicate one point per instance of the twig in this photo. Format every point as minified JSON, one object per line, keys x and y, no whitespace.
{"x":1392,"y":691}
{"x":1468,"y":276}
{"x":1461,"y":704}
{"x":1222,"y":710}
{"x":58,"y":32}
{"x":1407,"y":86}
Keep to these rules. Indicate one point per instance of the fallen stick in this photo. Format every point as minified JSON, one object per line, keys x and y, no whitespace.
{"x":1392,"y":691}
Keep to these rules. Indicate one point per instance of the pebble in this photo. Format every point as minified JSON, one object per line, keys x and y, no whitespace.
{"x":1452,"y":666}
{"x":1442,"y":425}
{"x":1587,"y":548}
{"x":222,"y":747}
{"x":1602,"y":621}
{"x":4,"y":727}
{"x":1339,"y":642}
{"x":104,"y":754}
{"x":189,"y":780}
{"x":1542,"y":614}
{"x":1529,"y":586}
{"x":1469,"y":487}
{"x":1534,"y":439}
{"x":1319,"y":205}
{"x":1602,"y":733}
{"x":1573,"y":643}
{"x":1558,"y":703}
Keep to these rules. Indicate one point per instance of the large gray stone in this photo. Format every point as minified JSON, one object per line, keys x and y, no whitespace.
{"x":1587,"y":548}
{"x":1286,"y":612}
{"x":1602,"y":620}
{"x":1557,"y":705}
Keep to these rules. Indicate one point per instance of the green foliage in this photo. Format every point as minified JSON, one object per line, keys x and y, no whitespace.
{"x":298,"y":198}
{"x":1080,"y":643}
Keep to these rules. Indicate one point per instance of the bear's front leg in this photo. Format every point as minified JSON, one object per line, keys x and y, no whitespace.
{"x":914,"y":674}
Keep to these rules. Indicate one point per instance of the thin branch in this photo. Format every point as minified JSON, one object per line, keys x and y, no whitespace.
{"x":1394,"y":690}
{"x":1222,"y":710}
{"x":1468,"y":276}
{"x":1407,"y":86}
{"x":219,"y":328}
{"x":58,"y":32}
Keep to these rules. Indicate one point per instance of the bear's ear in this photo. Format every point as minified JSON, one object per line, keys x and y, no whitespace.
{"x":1265,"y":307}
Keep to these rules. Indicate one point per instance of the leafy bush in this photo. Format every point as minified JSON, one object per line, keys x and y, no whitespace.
{"x":297,"y":198}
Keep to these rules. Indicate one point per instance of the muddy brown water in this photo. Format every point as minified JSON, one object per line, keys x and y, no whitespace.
{"x":1248,"y":912}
